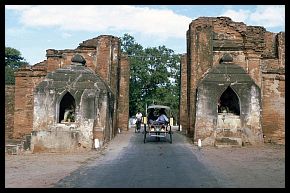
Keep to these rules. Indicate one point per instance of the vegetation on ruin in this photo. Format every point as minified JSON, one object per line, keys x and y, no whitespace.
{"x":13,"y":60}
{"x":154,"y":76}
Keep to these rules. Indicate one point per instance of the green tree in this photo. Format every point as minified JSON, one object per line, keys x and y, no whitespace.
{"x":137,"y":70}
{"x":154,"y":77}
{"x":13,"y":60}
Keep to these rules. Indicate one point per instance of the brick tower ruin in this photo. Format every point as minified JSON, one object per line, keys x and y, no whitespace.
{"x":233,"y":83}
{"x":93,"y":79}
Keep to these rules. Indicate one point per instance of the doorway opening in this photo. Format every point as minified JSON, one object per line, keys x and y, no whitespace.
{"x":229,"y":102}
{"x":67,"y":108}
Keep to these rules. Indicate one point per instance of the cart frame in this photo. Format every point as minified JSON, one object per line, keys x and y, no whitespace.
{"x":158,"y":130}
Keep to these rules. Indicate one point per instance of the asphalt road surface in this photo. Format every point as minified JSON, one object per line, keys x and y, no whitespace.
{"x":134,"y":164}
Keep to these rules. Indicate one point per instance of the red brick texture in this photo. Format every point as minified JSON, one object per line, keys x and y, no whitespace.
{"x":25,"y":81}
{"x":259,"y":52}
{"x":102,"y":55}
{"x":9,"y":111}
{"x":123,"y":107}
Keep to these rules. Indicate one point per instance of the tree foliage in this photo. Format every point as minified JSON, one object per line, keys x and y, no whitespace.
{"x":13,"y":60}
{"x":154,"y":76}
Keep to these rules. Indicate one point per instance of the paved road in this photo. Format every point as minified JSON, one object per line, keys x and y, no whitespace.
{"x":129,"y":163}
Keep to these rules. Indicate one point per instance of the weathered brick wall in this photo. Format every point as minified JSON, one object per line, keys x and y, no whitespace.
{"x":103,"y":63}
{"x":260,"y":53}
{"x":104,"y":60}
{"x":25,"y":82}
{"x":253,"y":68}
{"x":123,"y":107}
{"x":183,"y":94}
{"x":255,"y":46}
{"x":199,"y":61}
{"x":90,"y":96}
{"x":115,"y":77}
{"x":270,"y":50}
{"x":102,"y":55}
{"x":53,"y":59}
{"x":61,"y":58}
{"x":274,"y":108}
{"x":273,"y":99}
{"x":115,"y":52}
{"x":9,"y":111}
{"x":281,"y":49}
{"x":191,"y":83}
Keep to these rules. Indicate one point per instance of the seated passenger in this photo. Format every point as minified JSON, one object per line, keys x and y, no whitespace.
{"x":162,"y":119}
{"x":152,"y":116}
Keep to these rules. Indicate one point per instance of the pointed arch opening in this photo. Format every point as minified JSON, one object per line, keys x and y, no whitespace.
{"x":229,"y":102}
{"x":67,"y":108}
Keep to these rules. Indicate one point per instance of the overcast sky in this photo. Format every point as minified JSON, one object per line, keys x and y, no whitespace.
{"x":34,"y":29}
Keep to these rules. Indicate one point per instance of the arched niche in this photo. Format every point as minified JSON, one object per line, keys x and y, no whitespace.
{"x":229,"y":102}
{"x":67,"y":108}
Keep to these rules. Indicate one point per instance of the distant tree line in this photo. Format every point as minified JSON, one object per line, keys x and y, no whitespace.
{"x":13,"y":60}
{"x":154,"y":76}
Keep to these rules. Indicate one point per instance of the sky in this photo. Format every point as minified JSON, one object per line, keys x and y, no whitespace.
{"x":32,"y":29}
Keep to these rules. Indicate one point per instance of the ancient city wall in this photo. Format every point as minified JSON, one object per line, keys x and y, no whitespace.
{"x":102,"y":55}
{"x":183,"y":93}
{"x":259,"y":52}
{"x":9,"y":111}
{"x":25,"y":81}
{"x":273,"y":75}
{"x":123,"y":102}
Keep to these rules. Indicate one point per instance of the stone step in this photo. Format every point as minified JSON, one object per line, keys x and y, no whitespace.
{"x":228,"y":142}
{"x":14,"y":146}
{"x":12,"y":149}
{"x":13,"y":141}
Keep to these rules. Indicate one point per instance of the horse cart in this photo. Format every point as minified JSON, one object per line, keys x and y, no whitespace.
{"x":155,"y":129}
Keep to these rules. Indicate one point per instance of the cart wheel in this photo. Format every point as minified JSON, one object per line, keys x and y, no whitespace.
{"x":144,"y":133}
{"x":170,"y":135}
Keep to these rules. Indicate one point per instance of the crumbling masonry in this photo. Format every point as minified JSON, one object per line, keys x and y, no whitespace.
{"x":233,"y":83}
{"x":91,"y":80}
{"x":232,"y":90}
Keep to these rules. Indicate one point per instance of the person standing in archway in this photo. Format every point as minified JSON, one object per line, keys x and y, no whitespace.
{"x":68,"y":114}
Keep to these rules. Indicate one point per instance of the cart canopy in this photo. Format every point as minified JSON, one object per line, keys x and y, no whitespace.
{"x":158,"y":107}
